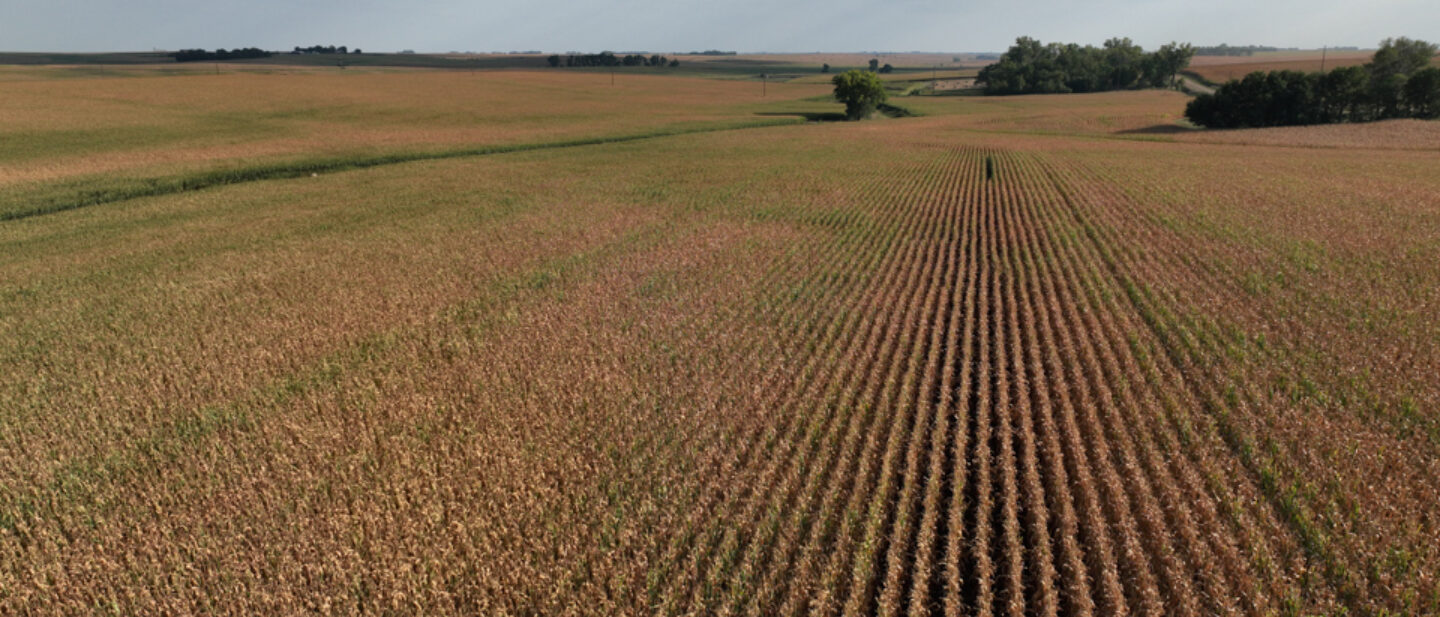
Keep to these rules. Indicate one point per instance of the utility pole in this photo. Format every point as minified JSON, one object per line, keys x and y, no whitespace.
{"x":1323,"y":51}
{"x":612,"y":76}
{"x":764,"y":84}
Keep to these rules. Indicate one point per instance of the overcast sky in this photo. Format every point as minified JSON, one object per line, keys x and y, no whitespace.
{"x":684,"y":25}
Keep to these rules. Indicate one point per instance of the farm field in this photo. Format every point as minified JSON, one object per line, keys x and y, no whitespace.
{"x":76,"y":132}
{"x":1047,"y":355}
{"x":1220,"y":69}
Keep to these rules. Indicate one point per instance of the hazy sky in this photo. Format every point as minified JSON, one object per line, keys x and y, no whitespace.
{"x":683,"y":25}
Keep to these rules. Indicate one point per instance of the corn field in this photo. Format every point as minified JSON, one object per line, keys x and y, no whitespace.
{"x":919,"y":367}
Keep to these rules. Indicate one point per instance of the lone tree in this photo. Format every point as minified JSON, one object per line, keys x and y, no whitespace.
{"x":860,"y":91}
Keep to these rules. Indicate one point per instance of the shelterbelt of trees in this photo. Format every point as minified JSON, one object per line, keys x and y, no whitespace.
{"x":1229,"y":50}
{"x":606,"y":58}
{"x":1031,"y":67}
{"x":1398,"y":82}
{"x":203,"y":55}
{"x":198,"y":55}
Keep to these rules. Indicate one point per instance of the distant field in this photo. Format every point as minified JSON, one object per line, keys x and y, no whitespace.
{"x":689,"y":62}
{"x":1348,"y":55}
{"x":452,"y":61}
{"x":1220,"y":69}
{"x":1049,"y":355}
{"x":24,"y":58}
{"x":852,"y":60}
{"x":64,"y":134}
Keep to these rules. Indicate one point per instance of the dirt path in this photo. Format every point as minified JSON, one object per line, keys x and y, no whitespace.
{"x":1194,"y":87}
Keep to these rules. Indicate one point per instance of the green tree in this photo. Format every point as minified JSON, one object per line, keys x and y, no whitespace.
{"x":1386,"y":96}
{"x":1167,"y":62}
{"x":887,"y":69}
{"x":554,"y":60}
{"x":825,"y":68}
{"x":1279,"y":98}
{"x":1342,"y":94}
{"x":1422,"y":93}
{"x":1396,"y":83}
{"x":1204,"y":110}
{"x":1019,"y":69}
{"x":1401,"y":56}
{"x":860,"y":91}
{"x":1031,"y":67}
{"x":1124,"y":63}
{"x":874,"y":65}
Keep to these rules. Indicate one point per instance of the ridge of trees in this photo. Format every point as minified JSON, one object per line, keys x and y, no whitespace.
{"x":199,"y":55}
{"x":1031,"y":67}
{"x":606,"y":58}
{"x":1398,"y":82}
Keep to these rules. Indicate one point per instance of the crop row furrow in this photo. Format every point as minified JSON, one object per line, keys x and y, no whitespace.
{"x":823,"y":516}
{"x":1042,"y":568}
{"x":751,"y":555}
{"x":857,"y":543}
{"x":799,"y":522}
{"x":948,"y":444}
{"x":1148,"y":486}
{"x":931,"y":432}
{"x":1185,"y":500}
{"x":1140,"y":414}
{"x":1086,"y":387}
{"x":970,"y":572}
{"x":1039,"y":369}
{"x":1009,"y":554}
{"x":1202,"y":384}
{"x":720,"y":477}
{"x":1325,"y":518}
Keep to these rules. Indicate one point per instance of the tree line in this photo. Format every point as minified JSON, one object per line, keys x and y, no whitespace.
{"x":199,"y":55}
{"x":1398,"y":82}
{"x":1235,"y":50}
{"x":1030,"y":67}
{"x":606,"y":58}
{"x":324,"y":49}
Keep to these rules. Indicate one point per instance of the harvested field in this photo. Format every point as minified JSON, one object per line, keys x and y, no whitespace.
{"x":1220,"y":69}
{"x":1004,"y":359}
